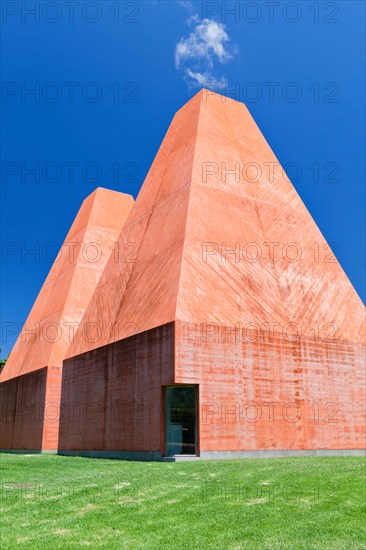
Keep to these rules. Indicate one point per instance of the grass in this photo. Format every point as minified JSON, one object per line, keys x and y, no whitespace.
{"x":289,"y":503}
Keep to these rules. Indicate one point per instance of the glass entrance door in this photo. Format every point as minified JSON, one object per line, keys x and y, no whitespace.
{"x":180,"y":420}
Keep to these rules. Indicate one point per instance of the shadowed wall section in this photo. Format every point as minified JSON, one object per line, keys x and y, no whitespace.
{"x":111,"y":396}
{"x":22,"y":411}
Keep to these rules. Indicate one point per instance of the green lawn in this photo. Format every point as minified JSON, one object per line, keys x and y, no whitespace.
{"x":289,"y":503}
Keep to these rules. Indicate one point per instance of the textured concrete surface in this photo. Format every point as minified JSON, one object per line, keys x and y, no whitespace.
{"x":52,"y":409}
{"x":231,"y":211}
{"x":111,"y":397}
{"x":22,"y":411}
{"x":272,"y":393}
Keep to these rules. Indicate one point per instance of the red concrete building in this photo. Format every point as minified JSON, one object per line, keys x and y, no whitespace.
{"x":222,"y":325}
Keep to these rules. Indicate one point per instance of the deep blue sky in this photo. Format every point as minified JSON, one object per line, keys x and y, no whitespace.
{"x":140,"y":55}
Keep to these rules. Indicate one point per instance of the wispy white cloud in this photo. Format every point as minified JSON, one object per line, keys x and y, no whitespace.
{"x":198,"y":54}
{"x":206,"y":42}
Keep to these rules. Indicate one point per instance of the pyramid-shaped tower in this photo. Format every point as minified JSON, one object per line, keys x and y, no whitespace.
{"x":31,"y":378}
{"x":219,"y":234}
{"x":224,"y":287}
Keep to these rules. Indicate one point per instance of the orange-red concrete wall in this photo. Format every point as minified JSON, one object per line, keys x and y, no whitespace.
{"x":111,"y":396}
{"x":267,"y":393}
{"x":22,"y":410}
{"x":271,"y":392}
{"x":52,"y":409}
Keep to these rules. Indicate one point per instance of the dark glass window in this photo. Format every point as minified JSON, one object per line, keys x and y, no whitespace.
{"x":180,"y":420}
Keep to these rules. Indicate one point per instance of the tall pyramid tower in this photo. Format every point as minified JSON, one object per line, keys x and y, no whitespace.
{"x":219,"y":234}
{"x":224,"y":287}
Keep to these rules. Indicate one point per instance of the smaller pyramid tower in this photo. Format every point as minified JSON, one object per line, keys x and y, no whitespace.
{"x":59,"y":308}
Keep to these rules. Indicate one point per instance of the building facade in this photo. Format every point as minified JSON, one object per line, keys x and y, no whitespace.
{"x":221,"y":325}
